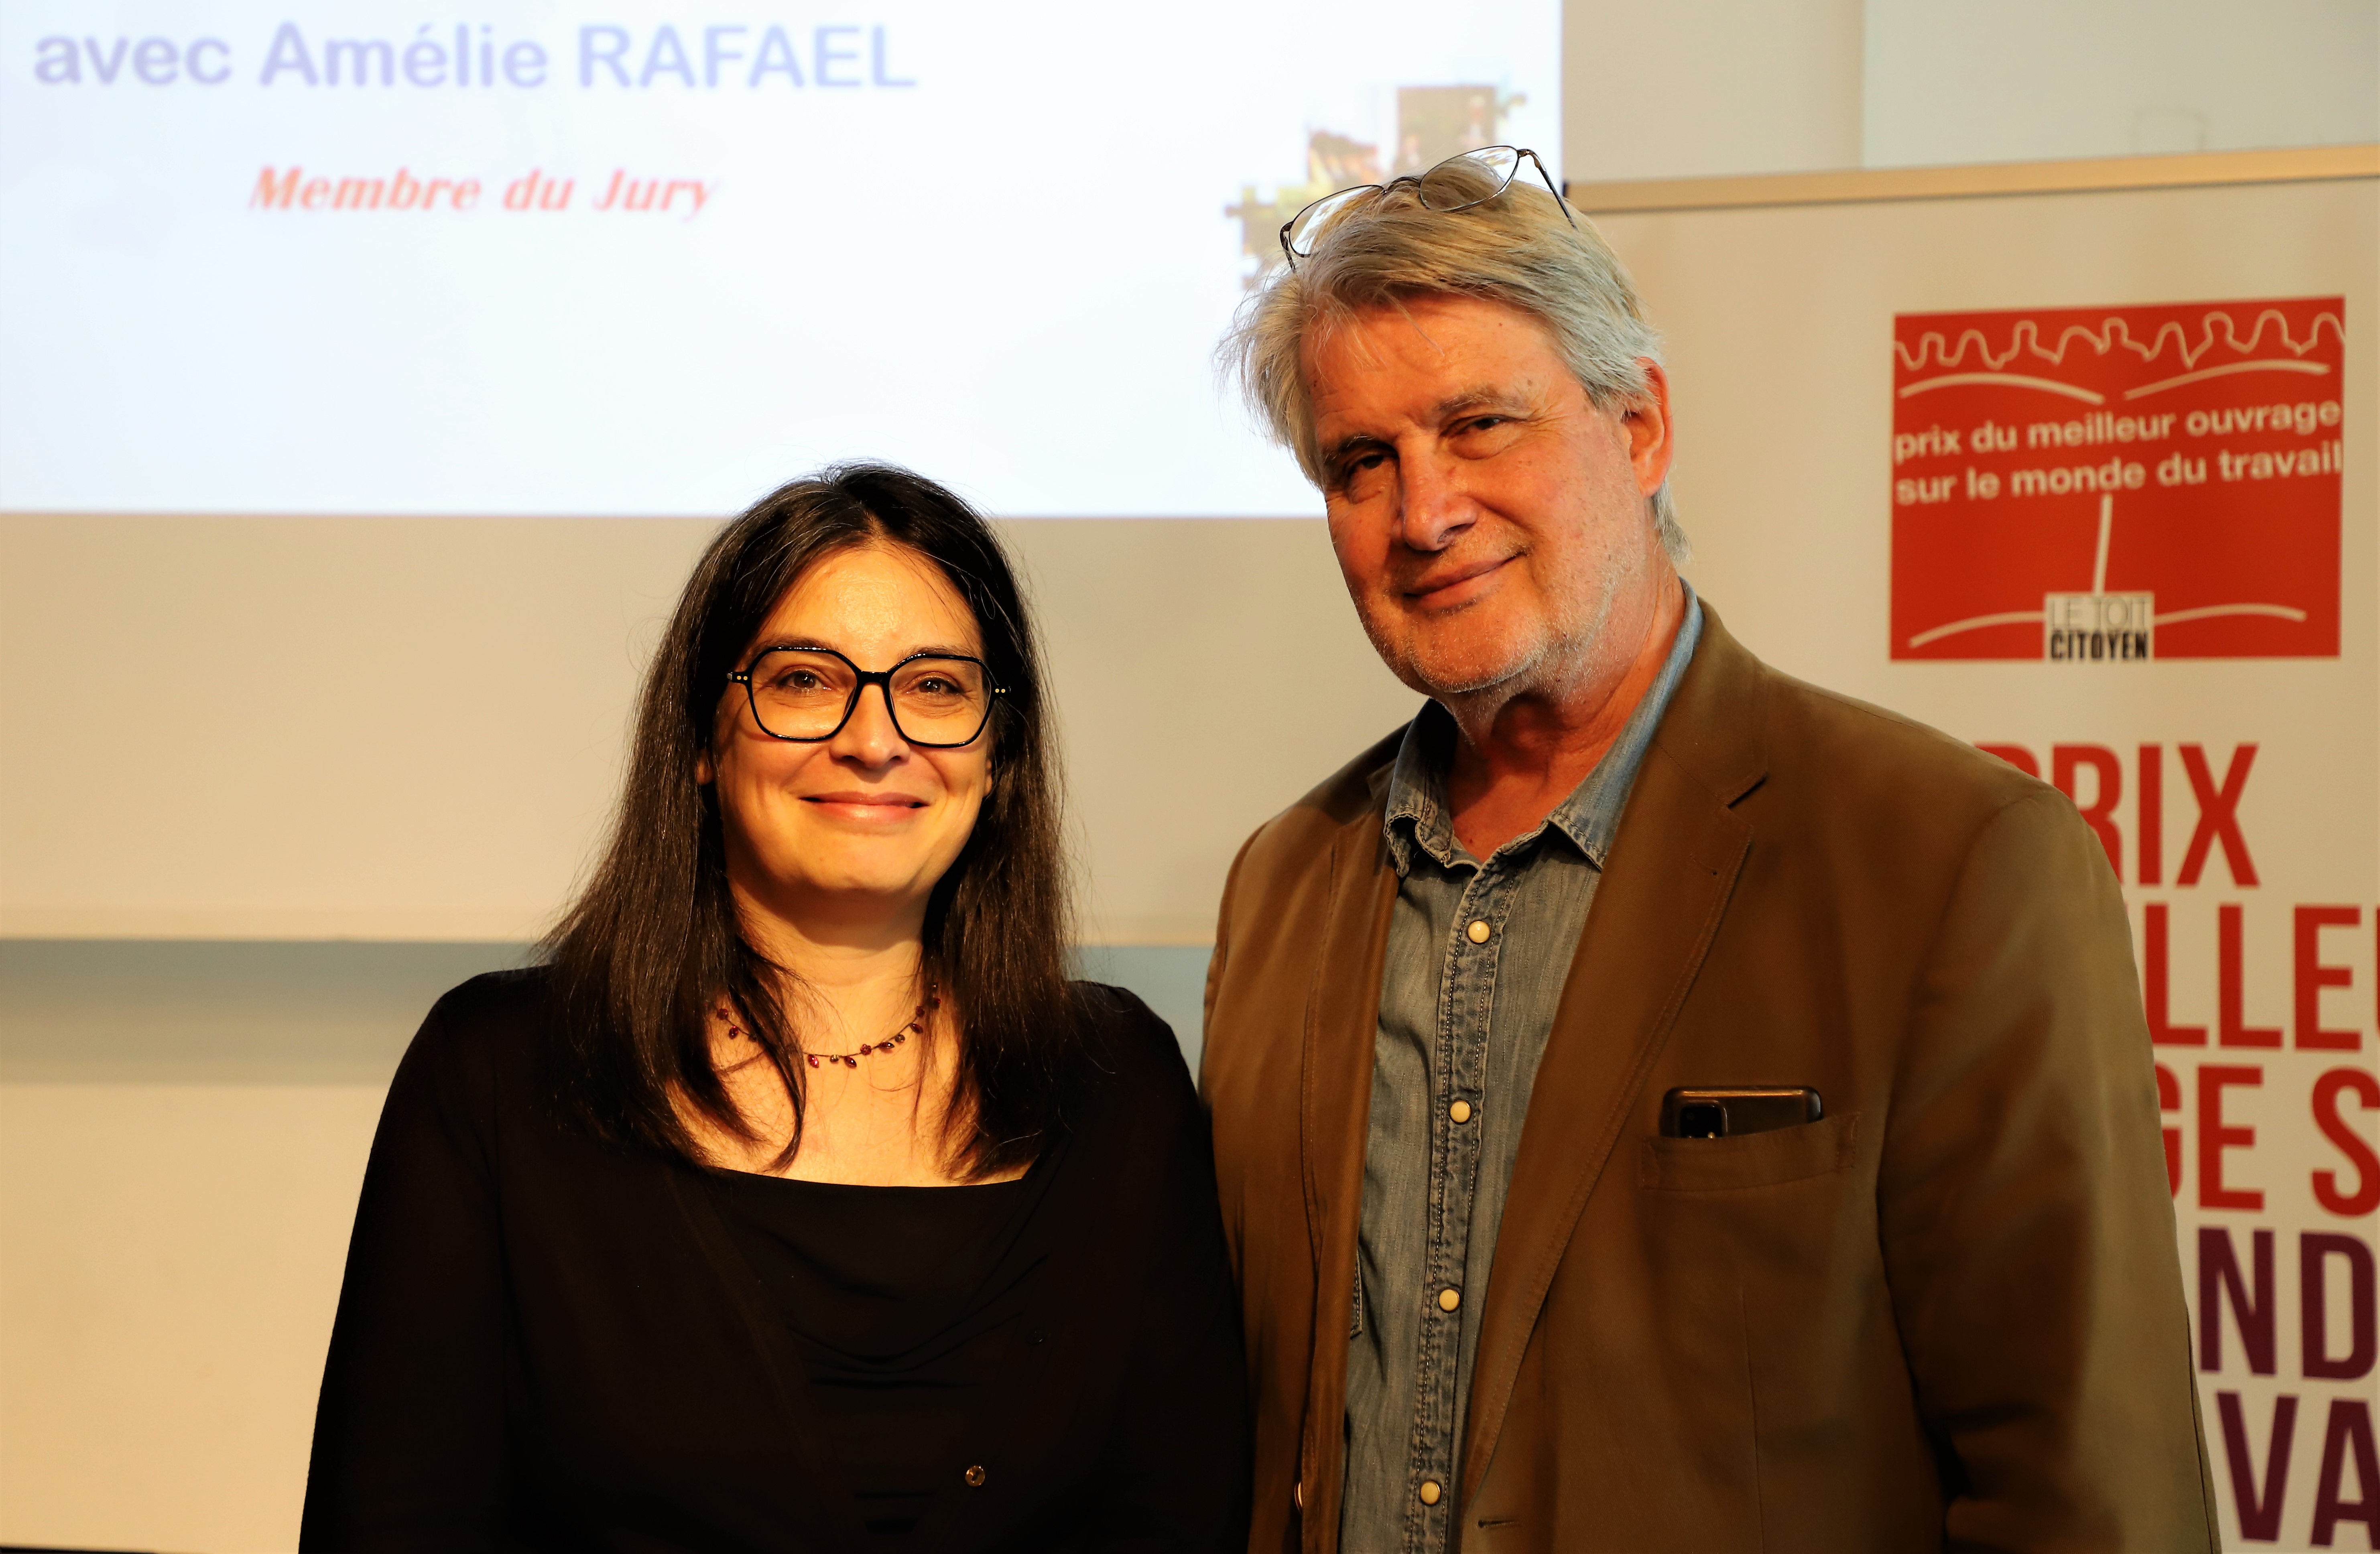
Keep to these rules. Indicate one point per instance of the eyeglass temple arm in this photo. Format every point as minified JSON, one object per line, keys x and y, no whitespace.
{"x":1560,"y":203}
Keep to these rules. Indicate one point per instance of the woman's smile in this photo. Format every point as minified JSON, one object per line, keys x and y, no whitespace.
{"x":885,"y":808}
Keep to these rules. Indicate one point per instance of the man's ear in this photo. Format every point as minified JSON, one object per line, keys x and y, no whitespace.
{"x":1652,"y":436}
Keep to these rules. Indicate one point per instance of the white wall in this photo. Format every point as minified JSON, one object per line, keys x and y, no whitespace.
{"x":393,"y":728}
{"x":1695,"y":88}
{"x":1690,"y":88}
{"x":169,"y":1264}
{"x":2017,"y":80}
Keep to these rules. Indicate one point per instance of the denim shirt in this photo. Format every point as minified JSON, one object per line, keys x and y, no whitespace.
{"x":1477,"y":954}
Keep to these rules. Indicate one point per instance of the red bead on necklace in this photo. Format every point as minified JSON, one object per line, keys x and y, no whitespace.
{"x":915,"y":1026}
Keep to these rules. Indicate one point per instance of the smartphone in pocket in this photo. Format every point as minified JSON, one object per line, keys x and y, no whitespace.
{"x":1725,"y":1111}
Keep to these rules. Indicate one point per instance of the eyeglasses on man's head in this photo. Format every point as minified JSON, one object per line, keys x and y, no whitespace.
{"x":1459,"y":182}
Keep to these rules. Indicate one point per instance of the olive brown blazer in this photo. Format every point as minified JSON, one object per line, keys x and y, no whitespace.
{"x":1949,"y":1314}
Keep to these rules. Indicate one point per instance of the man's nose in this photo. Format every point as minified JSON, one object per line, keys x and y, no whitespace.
{"x":870,"y":735}
{"x":1432,"y":506}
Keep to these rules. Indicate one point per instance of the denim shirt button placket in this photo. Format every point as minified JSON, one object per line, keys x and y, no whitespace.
{"x":1468,"y":967}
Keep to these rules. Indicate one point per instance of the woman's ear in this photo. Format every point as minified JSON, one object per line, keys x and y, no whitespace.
{"x":703,"y":773}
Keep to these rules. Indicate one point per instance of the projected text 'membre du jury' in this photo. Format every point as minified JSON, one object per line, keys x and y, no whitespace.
{"x":294,"y":188}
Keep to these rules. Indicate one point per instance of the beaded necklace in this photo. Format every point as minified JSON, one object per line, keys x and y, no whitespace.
{"x":916,"y":1025}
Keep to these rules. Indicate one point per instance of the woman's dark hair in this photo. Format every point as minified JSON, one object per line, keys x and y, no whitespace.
{"x":653,"y":944}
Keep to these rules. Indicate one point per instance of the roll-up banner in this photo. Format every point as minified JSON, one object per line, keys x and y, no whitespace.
{"x":2086,"y":479}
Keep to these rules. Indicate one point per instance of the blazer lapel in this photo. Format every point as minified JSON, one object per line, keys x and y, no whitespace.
{"x":1672,"y":866}
{"x":1342,"y":1015}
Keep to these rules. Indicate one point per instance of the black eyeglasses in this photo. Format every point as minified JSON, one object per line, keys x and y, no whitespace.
{"x":939,"y":702}
{"x":1456,"y":184}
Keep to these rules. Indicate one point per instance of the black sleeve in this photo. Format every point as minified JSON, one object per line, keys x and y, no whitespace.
{"x":409,"y":1433}
{"x":1176,"y":1469}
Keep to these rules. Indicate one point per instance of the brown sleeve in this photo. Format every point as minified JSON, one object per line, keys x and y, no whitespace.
{"x":2028,"y":1230}
{"x":1222,"y":948}
{"x":1235,"y":1226}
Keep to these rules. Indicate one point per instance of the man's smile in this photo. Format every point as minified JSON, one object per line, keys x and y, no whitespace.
{"x":1450,"y":587}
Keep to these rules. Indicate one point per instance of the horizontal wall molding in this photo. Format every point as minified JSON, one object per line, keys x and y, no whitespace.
{"x":298,"y":1012}
{"x":376,"y":925}
{"x":2200,"y":169}
{"x":222,"y":1012}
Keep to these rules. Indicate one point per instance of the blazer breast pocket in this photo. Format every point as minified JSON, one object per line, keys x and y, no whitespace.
{"x":1755,"y":1159}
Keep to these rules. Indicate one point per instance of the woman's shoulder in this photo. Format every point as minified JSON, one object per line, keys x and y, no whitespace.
{"x":1131,"y":1048}
{"x":499,"y":996}
{"x":1118,"y":1018}
{"x":1140,"y":1132}
{"x":482,"y":1029}
{"x":499,"y":1007}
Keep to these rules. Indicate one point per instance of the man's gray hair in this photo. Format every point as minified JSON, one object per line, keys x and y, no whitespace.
{"x":1517,"y":249}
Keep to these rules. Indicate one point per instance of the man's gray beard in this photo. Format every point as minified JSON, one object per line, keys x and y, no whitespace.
{"x":1550,"y":661}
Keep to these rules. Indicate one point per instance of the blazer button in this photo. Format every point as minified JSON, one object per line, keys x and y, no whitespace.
{"x":974,"y":1477}
{"x":1298,"y":1494}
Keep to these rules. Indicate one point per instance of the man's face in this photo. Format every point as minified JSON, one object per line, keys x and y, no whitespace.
{"x":1490,"y":520}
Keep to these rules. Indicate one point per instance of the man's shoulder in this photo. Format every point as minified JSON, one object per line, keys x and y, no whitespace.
{"x":1741,"y":726}
{"x":1860,"y":749}
{"x":1883,"y":796}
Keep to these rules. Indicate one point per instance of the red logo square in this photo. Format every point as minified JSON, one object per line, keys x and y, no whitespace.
{"x":2118,"y":483}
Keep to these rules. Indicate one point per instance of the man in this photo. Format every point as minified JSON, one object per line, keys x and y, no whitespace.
{"x":1498,"y":1295}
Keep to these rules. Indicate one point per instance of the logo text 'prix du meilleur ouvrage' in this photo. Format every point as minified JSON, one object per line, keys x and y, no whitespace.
{"x":2097,"y":484}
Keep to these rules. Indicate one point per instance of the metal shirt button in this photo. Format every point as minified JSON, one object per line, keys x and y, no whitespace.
{"x":974,"y":1477}
{"x":1449,"y":1298}
{"x":1430,"y":1491}
{"x":1479,"y":931}
{"x":1460,"y":1111}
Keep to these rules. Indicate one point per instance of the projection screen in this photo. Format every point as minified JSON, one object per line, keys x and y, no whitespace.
{"x":637,"y":261}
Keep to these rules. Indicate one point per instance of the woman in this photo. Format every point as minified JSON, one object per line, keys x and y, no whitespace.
{"x":799,"y":1201}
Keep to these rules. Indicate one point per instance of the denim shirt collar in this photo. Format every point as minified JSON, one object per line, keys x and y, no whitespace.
{"x":1419,"y":816}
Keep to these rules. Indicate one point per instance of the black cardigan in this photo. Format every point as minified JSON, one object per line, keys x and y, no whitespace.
{"x":547,"y":1343}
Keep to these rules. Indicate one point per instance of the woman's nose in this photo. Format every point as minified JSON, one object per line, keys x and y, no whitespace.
{"x":869,"y":735}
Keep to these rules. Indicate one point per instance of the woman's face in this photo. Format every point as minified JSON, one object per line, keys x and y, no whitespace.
{"x":846,"y":838}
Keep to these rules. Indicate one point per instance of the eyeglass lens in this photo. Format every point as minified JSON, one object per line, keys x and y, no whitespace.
{"x":1469,"y":179}
{"x":1459,"y":182}
{"x":798,"y":694}
{"x":1309,"y":222}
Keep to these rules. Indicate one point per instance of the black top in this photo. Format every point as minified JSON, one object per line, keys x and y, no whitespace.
{"x":902,"y":1302}
{"x":544,"y":1342}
